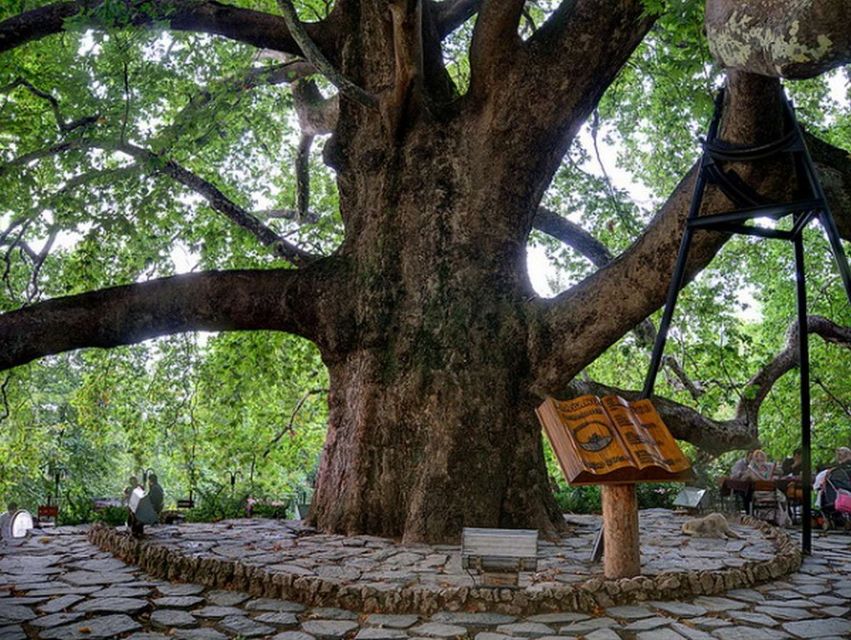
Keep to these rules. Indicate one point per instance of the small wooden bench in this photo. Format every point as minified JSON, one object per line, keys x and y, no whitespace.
{"x":499,"y":554}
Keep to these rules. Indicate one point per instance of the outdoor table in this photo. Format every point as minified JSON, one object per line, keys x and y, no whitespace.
{"x":745,"y":488}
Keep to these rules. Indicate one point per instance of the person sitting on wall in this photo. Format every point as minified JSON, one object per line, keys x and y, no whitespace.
{"x":144,"y":508}
{"x":155,"y":493}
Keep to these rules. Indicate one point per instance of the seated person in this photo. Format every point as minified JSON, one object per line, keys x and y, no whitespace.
{"x":132,"y":483}
{"x":155,"y":492}
{"x":760,"y":468}
{"x":792,"y":466}
{"x":145,"y":508}
{"x":839,"y":477}
{"x":739,"y":470}
{"x":739,"y":473}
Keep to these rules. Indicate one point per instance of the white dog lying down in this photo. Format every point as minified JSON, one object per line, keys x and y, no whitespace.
{"x":712,"y":526}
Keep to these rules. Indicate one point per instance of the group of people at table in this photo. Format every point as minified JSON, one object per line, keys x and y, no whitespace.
{"x":750,"y":476}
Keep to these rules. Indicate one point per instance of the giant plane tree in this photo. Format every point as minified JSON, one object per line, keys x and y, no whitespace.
{"x":444,"y":123}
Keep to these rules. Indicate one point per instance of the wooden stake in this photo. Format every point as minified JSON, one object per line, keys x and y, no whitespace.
{"x":621,"y":555}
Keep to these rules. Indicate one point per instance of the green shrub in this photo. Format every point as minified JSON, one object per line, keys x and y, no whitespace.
{"x":657,"y":495}
{"x":113,"y":516}
{"x":587,"y":499}
{"x":261,"y":510}
{"x":579,"y":499}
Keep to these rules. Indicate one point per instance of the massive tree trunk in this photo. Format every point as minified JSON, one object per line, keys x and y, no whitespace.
{"x":436,"y":384}
{"x":437,"y":348}
{"x":432,"y":423}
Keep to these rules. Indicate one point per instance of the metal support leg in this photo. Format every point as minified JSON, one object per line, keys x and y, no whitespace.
{"x":674,"y":287}
{"x":836,"y":247}
{"x":804,"y":365}
{"x":825,"y":217}
{"x":670,"y":303}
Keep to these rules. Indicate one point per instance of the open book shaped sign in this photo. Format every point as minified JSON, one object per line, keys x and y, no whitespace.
{"x":611,"y":441}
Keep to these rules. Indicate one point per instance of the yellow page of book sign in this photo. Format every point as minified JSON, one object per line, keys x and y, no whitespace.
{"x":654,"y":431}
{"x":598,"y":447}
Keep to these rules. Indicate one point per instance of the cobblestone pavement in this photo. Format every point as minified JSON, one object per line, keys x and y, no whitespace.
{"x":59,"y":586}
{"x":289,"y":547}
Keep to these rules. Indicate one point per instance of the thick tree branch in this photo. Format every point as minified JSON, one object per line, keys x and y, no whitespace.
{"x":214,"y":196}
{"x":451,"y":14}
{"x":64,"y":127}
{"x":834,"y":167}
{"x":313,"y":55}
{"x":317,"y":115}
{"x":574,"y":57}
{"x":785,"y":39}
{"x":279,"y":299}
{"x":549,"y":222}
{"x":761,"y":383}
{"x":206,"y":16}
{"x":536,"y":94}
{"x":302,"y":176}
{"x":716,"y":436}
{"x":495,"y":40}
{"x":752,"y":114}
{"x":407,"y":19}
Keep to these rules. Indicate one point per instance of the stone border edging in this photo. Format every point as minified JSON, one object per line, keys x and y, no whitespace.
{"x":162,"y":562}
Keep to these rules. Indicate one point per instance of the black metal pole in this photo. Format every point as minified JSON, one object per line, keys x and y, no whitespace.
{"x":670,"y":303}
{"x":674,"y":287}
{"x":804,"y":366}
{"x":825,"y":216}
{"x":827,"y":221}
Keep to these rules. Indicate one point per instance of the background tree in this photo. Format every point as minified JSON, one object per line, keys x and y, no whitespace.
{"x":450,"y":121}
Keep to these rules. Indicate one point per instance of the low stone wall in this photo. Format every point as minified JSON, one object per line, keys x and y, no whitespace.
{"x":162,"y":562}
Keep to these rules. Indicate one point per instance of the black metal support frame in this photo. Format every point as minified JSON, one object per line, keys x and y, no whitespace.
{"x":753,"y":205}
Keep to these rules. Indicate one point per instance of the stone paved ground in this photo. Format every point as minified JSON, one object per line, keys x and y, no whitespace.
{"x":59,"y":586}
{"x":290,"y":547}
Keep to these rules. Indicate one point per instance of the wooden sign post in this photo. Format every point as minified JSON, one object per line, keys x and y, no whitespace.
{"x":614,"y":443}
{"x":621,"y":553}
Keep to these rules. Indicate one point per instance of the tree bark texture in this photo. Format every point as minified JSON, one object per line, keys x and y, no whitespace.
{"x":437,"y":348}
{"x":798,"y":39}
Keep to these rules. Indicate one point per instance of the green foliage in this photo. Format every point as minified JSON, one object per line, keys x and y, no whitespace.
{"x":651,"y":495}
{"x":215,"y":506}
{"x":197,"y":408}
{"x":112,"y":516}
{"x":579,"y":499}
{"x":657,"y":495}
